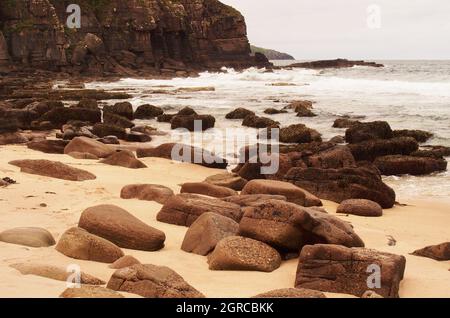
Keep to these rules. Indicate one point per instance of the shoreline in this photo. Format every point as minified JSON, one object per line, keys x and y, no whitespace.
{"x":421,"y":223}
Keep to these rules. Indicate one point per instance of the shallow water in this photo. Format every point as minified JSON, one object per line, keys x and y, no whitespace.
{"x":407,"y":94}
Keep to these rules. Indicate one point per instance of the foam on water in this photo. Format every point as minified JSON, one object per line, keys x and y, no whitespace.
{"x":407,"y":94}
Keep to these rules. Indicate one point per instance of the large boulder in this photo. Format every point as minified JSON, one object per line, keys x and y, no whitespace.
{"x":87,"y":291}
{"x":61,"y":115}
{"x":289,"y":227}
{"x":152,"y":281}
{"x":371,"y":149}
{"x":244,"y":200}
{"x":48,"y":146}
{"x":299,"y":133}
{"x":184,"y":153}
{"x":103,"y":130}
{"x":243,"y":254}
{"x":87,"y":145}
{"x":342,"y":184}
{"x":124,"y":109}
{"x":55,"y":272}
{"x":52,"y":169}
{"x":148,"y":112}
{"x":80,"y":244}
{"x":227,"y":180}
{"x":338,"y":269}
{"x":184,"y":209}
{"x":193,"y":122}
{"x":419,"y":135}
{"x":399,"y":165}
{"x":239,"y":113}
{"x":208,"y":189}
{"x":259,"y":122}
{"x":122,"y":228}
{"x":147,"y":192}
{"x":125,"y":159}
{"x":292,"y":193}
{"x":332,"y":158}
{"x":291,"y":293}
{"x":360,"y":207}
{"x":345,"y":123}
{"x":366,"y":131}
{"x":28,"y":236}
{"x":440,"y":252}
{"x":112,"y":119}
{"x":204,"y":234}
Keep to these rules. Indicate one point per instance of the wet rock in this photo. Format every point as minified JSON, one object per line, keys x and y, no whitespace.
{"x":332,"y":158}
{"x":122,"y":228}
{"x":367,"y":131}
{"x":243,"y":254}
{"x":148,"y":112}
{"x":125,"y":159}
{"x":418,"y":135}
{"x":62,"y":115}
{"x":54,"y":272}
{"x":79,"y":244}
{"x":187,"y":111}
{"x":204,"y":234}
{"x":192,"y":122}
{"x":87,"y":291}
{"x":117,"y":120}
{"x":124,"y":261}
{"x":292,"y":193}
{"x":337,"y":63}
{"x":239,"y":113}
{"x":360,"y":207}
{"x":338,"y":269}
{"x":165,"y":118}
{"x":207,"y":189}
{"x":399,"y":165}
{"x":48,"y":146}
{"x":28,"y":236}
{"x":103,"y":130}
{"x":299,"y":133}
{"x":439,"y":252}
{"x":184,"y":209}
{"x":298,"y":105}
{"x":371,"y":149}
{"x":274,"y":111}
{"x":289,"y":227}
{"x":123,"y":109}
{"x":147,"y":192}
{"x":291,"y":293}
{"x":88,"y":104}
{"x":342,"y":184}
{"x":52,"y":169}
{"x":184,"y":153}
{"x":337,"y":140}
{"x":83,"y":144}
{"x":259,"y":122}
{"x":152,"y":281}
{"x":227,"y":180}
{"x":345,"y":123}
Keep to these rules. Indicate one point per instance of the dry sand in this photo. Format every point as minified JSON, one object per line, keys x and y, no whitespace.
{"x":421,"y":223}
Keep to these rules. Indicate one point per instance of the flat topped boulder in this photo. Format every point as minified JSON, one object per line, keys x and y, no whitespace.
{"x":289,"y":227}
{"x":28,"y":236}
{"x":400,"y":165}
{"x":360,"y":207}
{"x":440,"y":252}
{"x":292,"y":193}
{"x":125,"y":159}
{"x":184,"y":209}
{"x":208,"y":189}
{"x":147,"y":192}
{"x":291,"y":293}
{"x":243,"y":254}
{"x":88,"y":145}
{"x":204,"y":234}
{"x":338,"y":269}
{"x":87,"y":291}
{"x":53,"y":169}
{"x":54,"y":272}
{"x":122,"y":228}
{"x":152,"y":281}
{"x":79,"y":244}
{"x":227,"y":180}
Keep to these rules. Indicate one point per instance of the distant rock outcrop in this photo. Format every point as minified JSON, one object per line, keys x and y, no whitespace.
{"x":338,"y":63}
{"x":272,"y":54}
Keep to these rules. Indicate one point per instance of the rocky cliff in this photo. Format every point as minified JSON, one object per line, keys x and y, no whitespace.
{"x":272,"y":54}
{"x":133,"y":36}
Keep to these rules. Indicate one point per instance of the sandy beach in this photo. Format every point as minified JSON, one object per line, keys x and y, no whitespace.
{"x":56,"y":205}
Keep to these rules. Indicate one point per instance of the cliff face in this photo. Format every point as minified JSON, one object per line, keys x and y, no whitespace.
{"x":120,"y":36}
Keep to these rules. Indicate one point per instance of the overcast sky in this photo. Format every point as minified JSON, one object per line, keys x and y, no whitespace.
{"x":319,"y":29}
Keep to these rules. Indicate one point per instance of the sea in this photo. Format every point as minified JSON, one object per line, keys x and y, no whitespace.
{"x":407,"y":94}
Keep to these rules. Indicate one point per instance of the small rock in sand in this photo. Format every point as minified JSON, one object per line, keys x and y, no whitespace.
{"x":147,"y":192}
{"x":360,"y":207}
{"x":125,"y":159}
{"x":28,"y":236}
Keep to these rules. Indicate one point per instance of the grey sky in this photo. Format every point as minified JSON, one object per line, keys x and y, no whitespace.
{"x":318,"y":29}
